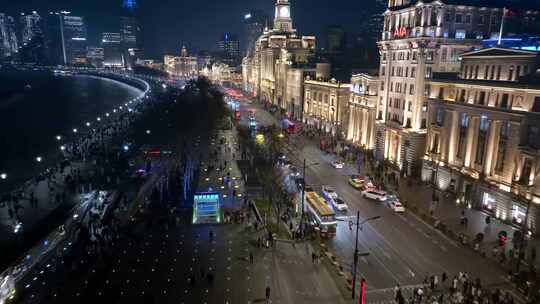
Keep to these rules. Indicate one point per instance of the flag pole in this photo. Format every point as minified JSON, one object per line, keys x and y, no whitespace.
{"x":502,"y":27}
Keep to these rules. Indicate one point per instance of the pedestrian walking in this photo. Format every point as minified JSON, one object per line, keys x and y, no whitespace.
{"x":267,"y":294}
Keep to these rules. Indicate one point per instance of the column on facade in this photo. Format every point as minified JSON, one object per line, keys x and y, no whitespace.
{"x":494,"y":131}
{"x":419,"y":89}
{"x":454,"y":125}
{"x":472,"y":139}
{"x":364,"y":127}
{"x":350,"y":128}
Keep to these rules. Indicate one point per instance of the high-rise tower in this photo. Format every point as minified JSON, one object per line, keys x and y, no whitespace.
{"x":130,"y":32}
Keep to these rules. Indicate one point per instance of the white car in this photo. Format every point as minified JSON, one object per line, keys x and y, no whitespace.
{"x":339,"y":204}
{"x":338,"y":164}
{"x":375,"y":195}
{"x":329,"y":192}
{"x":395,"y":204}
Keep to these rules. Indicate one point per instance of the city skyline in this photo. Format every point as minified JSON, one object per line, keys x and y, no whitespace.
{"x":174,"y":23}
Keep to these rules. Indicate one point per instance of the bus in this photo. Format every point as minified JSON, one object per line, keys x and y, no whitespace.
{"x":321,"y":214}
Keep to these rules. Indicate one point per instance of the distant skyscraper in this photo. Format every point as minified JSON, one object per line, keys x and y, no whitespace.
{"x":73,"y":34}
{"x":112,"y":50}
{"x":229,"y":48}
{"x":52,"y":32}
{"x":8,"y":36}
{"x":335,"y":39}
{"x":30,"y":26}
{"x":254,"y":23}
{"x":95,"y":56}
{"x":130,"y":32}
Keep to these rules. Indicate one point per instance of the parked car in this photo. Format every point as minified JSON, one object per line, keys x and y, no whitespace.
{"x":339,"y":204}
{"x":338,"y":164}
{"x":300,"y":182}
{"x":329,"y":192}
{"x":294,"y":172}
{"x":395,"y":204}
{"x":375,"y":195}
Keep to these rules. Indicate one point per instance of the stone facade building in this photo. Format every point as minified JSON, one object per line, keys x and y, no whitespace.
{"x":183,"y":65}
{"x":326,"y":105}
{"x":362,"y":104}
{"x":421,"y":38}
{"x":280,"y":59}
{"x":483,"y":139}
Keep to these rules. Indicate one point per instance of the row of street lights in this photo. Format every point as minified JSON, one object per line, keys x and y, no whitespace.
{"x":39,"y":159}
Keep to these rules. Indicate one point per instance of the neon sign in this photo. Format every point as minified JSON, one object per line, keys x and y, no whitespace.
{"x":401,"y":32}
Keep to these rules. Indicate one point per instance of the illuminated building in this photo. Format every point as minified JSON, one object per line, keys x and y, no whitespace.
{"x":130,"y":32}
{"x":229,"y":49}
{"x":326,"y":104}
{"x":182,"y":66}
{"x":276,"y":70}
{"x":95,"y":56}
{"x":419,"y":39}
{"x":30,"y":26}
{"x":483,"y":136}
{"x":362,"y":110}
{"x":113,"y":56}
{"x":8,"y":36}
{"x":73,"y":34}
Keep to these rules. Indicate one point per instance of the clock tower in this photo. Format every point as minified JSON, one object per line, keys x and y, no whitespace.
{"x":282,"y":19}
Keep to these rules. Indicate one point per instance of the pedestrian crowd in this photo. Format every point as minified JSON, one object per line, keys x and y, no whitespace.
{"x":461,"y":288}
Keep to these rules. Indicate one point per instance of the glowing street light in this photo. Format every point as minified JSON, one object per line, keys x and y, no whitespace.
{"x":3,"y":176}
{"x":88,"y":124}
{"x":58,"y":137}
{"x":107,"y":114}
{"x":148,"y":132}
{"x":114,"y":110}
{"x":98,"y":119}
{"x":75,"y":130}
{"x":39,"y":159}
{"x":62,"y":148}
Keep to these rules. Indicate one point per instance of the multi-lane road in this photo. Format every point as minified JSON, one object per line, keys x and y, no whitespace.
{"x":402,"y":248}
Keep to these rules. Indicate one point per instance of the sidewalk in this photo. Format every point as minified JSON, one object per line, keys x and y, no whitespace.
{"x":418,"y":197}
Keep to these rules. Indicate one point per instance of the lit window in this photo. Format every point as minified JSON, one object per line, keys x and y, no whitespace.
{"x":460,"y":34}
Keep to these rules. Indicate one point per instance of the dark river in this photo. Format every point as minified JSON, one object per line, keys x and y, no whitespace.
{"x":37,"y":106}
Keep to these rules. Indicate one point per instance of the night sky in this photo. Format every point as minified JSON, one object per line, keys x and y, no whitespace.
{"x":167,"y":24}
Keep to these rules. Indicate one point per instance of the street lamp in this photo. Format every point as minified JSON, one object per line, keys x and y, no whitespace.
{"x":58,"y":137}
{"x":75,"y":130}
{"x":88,"y":124}
{"x":3,"y":175}
{"x":148,"y":132}
{"x":356,"y":254}
{"x":39,"y":159}
{"x":98,"y":119}
{"x":62,"y":148}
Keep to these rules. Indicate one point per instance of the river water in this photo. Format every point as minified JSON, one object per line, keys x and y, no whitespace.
{"x":37,"y":106}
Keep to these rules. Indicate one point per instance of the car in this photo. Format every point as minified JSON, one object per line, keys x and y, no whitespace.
{"x":338,"y":164}
{"x":294,"y":172}
{"x":358,"y":182}
{"x":395,"y":204}
{"x":329,"y":192}
{"x":300,"y":182}
{"x":375,"y":195}
{"x":339,"y":204}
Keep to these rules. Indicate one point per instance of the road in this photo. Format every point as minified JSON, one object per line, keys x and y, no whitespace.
{"x":403,"y":249}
